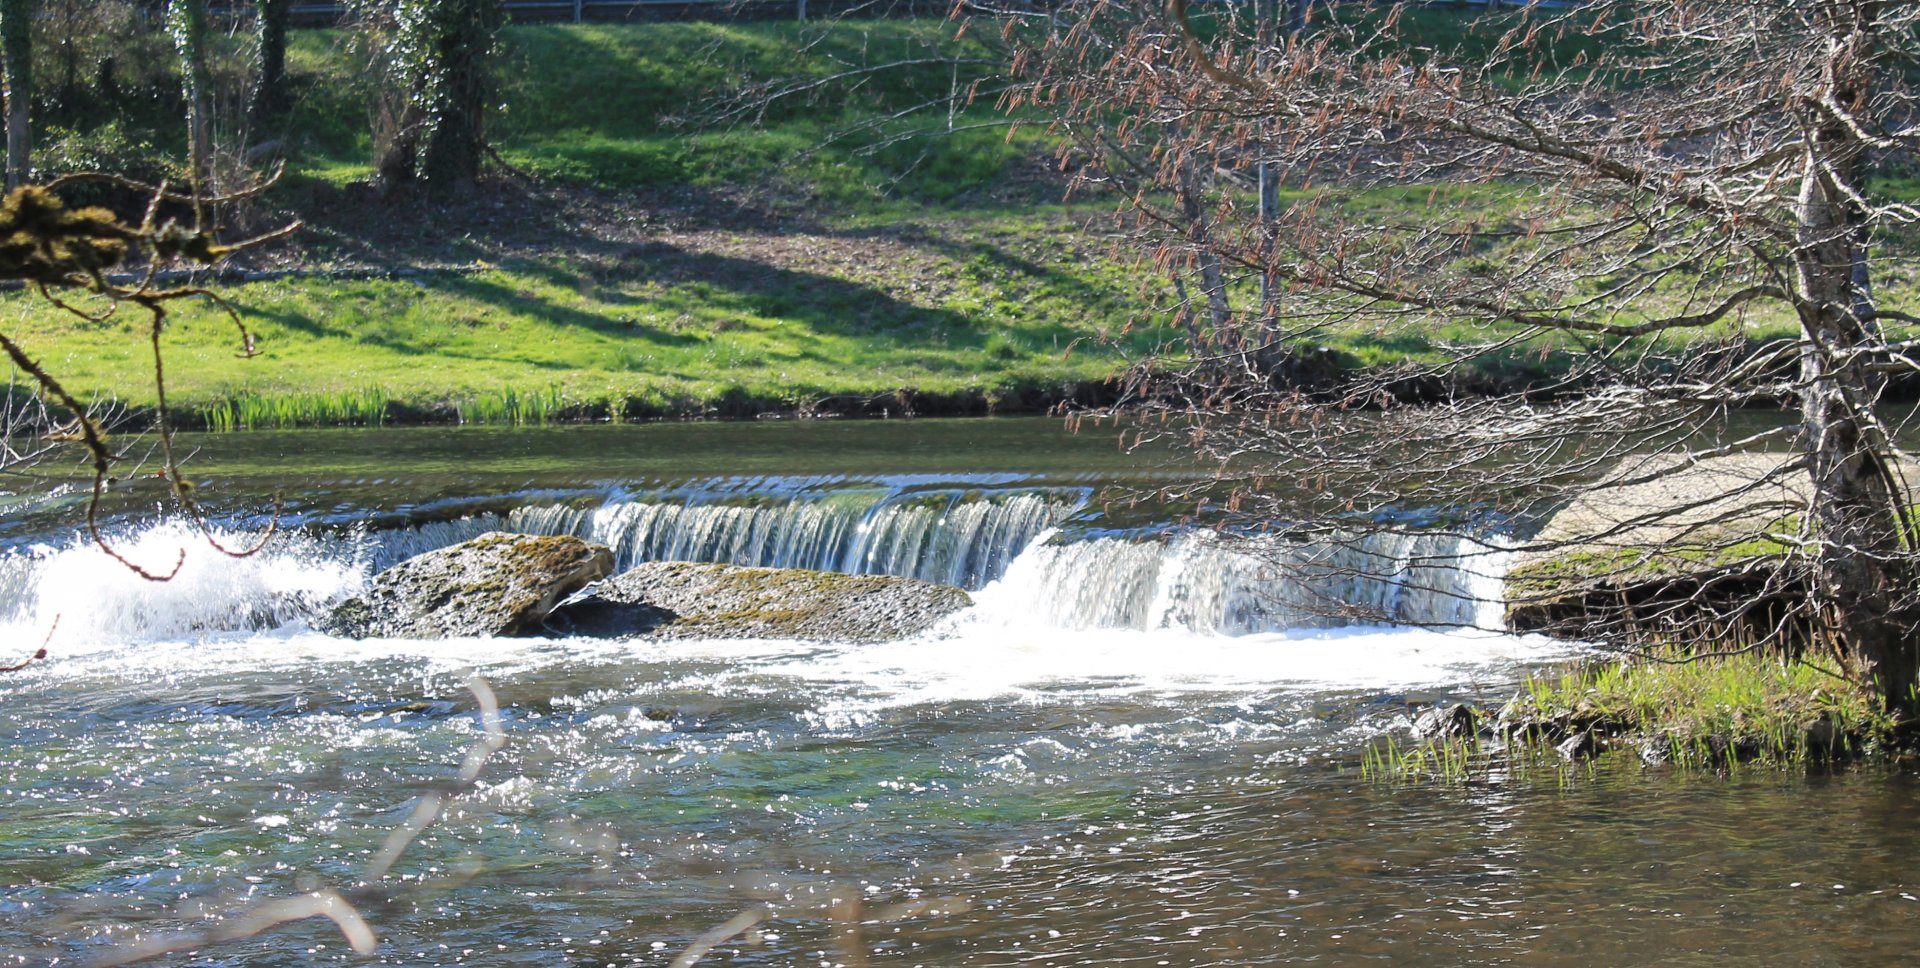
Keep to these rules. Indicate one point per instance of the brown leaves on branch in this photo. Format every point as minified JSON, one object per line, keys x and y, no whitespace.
{"x":1680,"y":204}
{"x":54,"y":249}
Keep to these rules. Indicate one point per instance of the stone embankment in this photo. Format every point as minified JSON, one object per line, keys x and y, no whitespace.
{"x":1666,"y":549}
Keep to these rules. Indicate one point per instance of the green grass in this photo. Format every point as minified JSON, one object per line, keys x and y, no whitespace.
{"x":987,"y":304}
{"x":566,"y":337}
{"x":1698,"y":709}
{"x":626,"y":106}
{"x":1717,"y":713}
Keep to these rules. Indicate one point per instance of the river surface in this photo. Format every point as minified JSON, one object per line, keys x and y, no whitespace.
{"x":1141,"y":746}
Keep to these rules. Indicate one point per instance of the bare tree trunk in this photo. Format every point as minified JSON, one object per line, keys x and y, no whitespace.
{"x":1213,"y":282}
{"x":16,"y":47}
{"x":1859,"y":507}
{"x":1859,"y":515}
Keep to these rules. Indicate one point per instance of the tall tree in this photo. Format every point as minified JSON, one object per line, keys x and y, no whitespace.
{"x":270,"y":82}
{"x":16,"y":51}
{"x":435,"y":61}
{"x":1669,"y":184}
{"x":187,"y":24}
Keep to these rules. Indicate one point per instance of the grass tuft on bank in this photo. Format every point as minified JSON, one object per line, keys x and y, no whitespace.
{"x":1684,"y":711}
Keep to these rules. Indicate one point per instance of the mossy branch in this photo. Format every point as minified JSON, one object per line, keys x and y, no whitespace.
{"x":51,"y":246}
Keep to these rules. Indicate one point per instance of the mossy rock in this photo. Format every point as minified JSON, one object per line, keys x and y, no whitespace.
{"x":494,"y":585}
{"x":681,"y":600}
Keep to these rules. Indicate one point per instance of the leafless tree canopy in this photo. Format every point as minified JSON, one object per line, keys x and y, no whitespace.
{"x":1674,"y":199}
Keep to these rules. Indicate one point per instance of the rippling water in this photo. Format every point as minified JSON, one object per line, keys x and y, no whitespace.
{"x":1031,"y":784}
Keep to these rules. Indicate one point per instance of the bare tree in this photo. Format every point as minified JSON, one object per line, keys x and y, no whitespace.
{"x":1669,"y":186}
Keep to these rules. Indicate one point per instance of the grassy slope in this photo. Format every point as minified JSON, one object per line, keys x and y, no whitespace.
{"x":806,"y":274}
{"x":625,"y":339}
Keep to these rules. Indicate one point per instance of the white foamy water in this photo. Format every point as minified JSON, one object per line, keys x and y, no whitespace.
{"x":1203,"y":583}
{"x":91,"y":600}
{"x":1109,"y":615}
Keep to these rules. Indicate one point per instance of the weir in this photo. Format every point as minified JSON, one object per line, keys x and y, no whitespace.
{"x":1006,"y":543}
{"x":964,"y":536}
{"x":1199,"y":582}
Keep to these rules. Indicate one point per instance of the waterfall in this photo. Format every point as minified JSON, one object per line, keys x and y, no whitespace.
{"x":91,"y":597}
{"x":1000,"y":539}
{"x":957,"y":536}
{"x":1203,"y":583}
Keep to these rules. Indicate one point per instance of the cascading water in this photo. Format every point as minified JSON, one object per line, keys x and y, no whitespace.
{"x":192,"y":750}
{"x":1201,"y":583}
{"x":957,"y":536}
{"x":1002,"y":542}
{"x":92,"y":598}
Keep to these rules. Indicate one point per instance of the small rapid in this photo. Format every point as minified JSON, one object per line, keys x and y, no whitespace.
{"x":1005,"y":543}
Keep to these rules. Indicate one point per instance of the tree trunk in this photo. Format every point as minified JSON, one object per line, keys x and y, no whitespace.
{"x":16,"y":49}
{"x":187,"y":22}
{"x":1213,"y":281}
{"x":458,"y":92}
{"x":1861,"y":577}
{"x":270,"y":87}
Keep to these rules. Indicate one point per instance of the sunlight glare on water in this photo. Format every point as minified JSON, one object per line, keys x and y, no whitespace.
{"x":1130,"y":751}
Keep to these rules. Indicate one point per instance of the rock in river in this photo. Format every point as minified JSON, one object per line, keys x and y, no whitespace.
{"x":671,"y":599}
{"x":496,"y":584}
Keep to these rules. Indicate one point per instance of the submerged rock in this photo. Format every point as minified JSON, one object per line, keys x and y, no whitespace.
{"x":1580,"y":746}
{"x":672,"y":599}
{"x":496,"y":584}
{"x":1447,"y":722}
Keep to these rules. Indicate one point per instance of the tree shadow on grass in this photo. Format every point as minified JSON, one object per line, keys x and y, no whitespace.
{"x":823,"y":303}
{"x":303,"y":323}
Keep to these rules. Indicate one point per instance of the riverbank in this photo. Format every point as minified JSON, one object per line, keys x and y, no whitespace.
{"x":573,"y":304}
{"x":654,"y":252}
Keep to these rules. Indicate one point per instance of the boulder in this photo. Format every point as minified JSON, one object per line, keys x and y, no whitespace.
{"x":496,"y":584}
{"x":673,"y":599}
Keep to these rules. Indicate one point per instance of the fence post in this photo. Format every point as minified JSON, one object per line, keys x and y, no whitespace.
{"x":579,"y":11}
{"x":803,"y":9}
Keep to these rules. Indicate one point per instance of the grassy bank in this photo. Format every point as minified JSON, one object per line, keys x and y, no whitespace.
{"x":960,"y":318}
{"x":663,"y":257}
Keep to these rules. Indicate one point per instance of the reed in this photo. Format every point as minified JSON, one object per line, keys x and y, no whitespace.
{"x":511,"y":406}
{"x":249,"y":410}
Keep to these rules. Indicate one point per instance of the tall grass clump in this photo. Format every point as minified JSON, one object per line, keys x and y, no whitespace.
{"x":1712,"y":713}
{"x":511,"y":406}
{"x":1665,"y":709}
{"x":248,"y":410}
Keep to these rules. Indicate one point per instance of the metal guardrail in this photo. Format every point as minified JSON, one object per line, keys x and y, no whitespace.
{"x":582,"y":11}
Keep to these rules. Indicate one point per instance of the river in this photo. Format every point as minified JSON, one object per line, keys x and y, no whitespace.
{"x":1139,"y":747}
